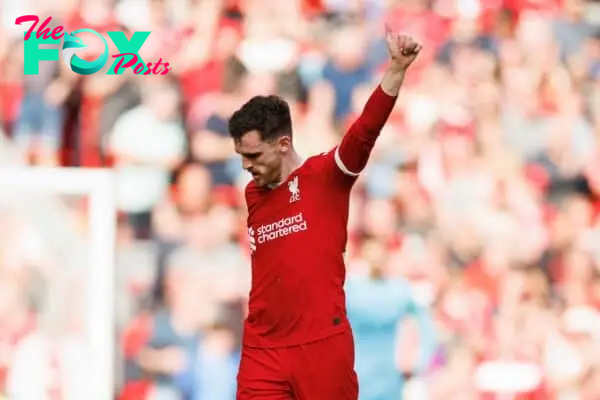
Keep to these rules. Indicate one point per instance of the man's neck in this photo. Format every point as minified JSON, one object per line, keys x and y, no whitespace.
{"x":288,"y":166}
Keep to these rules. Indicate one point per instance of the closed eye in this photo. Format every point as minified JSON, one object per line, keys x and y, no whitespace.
{"x":251,"y":156}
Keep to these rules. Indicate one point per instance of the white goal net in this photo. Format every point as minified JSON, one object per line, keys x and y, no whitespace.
{"x":57,"y":244}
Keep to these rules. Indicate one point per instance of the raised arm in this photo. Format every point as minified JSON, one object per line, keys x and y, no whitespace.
{"x":352,"y":154}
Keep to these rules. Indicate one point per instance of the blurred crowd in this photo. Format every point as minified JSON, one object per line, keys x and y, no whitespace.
{"x":482,"y":195}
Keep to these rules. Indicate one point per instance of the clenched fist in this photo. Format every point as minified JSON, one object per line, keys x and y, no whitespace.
{"x":403,"y":49}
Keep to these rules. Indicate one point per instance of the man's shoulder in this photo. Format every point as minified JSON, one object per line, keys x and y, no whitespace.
{"x":251,"y":187}
{"x":318,"y":162}
{"x":251,"y":193}
{"x":327,"y":166}
{"x":322,"y":156}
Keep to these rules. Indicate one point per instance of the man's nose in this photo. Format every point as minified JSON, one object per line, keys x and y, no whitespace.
{"x":246,"y":164}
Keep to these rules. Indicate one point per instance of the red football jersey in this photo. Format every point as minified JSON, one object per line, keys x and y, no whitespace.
{"x":298,"y":233}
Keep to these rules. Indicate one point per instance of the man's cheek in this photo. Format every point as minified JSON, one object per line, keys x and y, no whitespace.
{"x":259,"y":165}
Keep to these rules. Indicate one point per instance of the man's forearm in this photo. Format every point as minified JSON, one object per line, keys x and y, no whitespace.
{"x":355,"y":149}
{"x":392,"y":80}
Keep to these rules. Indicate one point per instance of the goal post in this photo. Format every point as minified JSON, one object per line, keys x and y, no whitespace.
{"x":97,"y":185}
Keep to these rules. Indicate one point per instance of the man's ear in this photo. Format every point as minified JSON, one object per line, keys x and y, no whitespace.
{"x":285,"y":143}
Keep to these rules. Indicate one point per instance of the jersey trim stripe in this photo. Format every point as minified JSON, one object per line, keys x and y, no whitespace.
{"x":340,"y":164}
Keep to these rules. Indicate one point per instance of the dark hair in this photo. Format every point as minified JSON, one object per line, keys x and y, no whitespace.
{"x":269,"y":115}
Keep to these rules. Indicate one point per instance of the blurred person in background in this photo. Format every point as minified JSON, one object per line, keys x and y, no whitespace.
{"x":455,"y":380}
{"x":379,"y":306}
{"x":173,"y":336}
{"x":209,"y":142}
{"x":348,"y":66}
{"x":210,"y":250}
{"x":38,"y":129}
{"x":316,"y":128}
{"x":218,"y":361}
{"x":50,"y":360}
{"x":148,"y":144}
{"x":513,"y":363}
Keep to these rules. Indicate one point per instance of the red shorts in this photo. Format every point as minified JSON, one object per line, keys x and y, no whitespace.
{"x":321,"y":370}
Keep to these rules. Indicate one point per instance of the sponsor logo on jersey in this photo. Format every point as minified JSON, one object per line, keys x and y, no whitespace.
{"x":275,"y":230}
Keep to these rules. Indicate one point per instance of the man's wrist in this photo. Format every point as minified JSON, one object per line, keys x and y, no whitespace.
{"x":392,"y":80}
{"x":397,"y":69}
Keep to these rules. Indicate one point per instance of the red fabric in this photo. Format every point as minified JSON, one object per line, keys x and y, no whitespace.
{"x":234,"y":5}
{"x":448,"y":130}
{"x":11,"y":94}
{"x":135,"y":391}
{"x":548,"y":8}
{"x":426,"y":26}
{"x":299,"y":240}
{"x":312,"y":8}
{"x":298,"y":255}
{"x":357,"y":144}
{"x":476,"y":277}
{"x":212,"y":77}
{"x":227,"y":195}
{"x":595,"y":211}
{"x":262,"y":371}
{"x":75,"y":21}
{"x":91,"y":105}
{"x":136,"y":335}
{"x":537,"y":176}
{"x":91,"y":108}
{"x":212,"y":72}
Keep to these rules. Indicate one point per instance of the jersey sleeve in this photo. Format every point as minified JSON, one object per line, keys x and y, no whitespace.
{"x":349,"y":158}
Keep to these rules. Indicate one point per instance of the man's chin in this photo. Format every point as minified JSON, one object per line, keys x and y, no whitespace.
{"x":258,"y":181}
{"x":262,"y":182}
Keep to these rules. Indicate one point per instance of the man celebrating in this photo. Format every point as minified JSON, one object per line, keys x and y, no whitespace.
{"x":298,"y":342}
